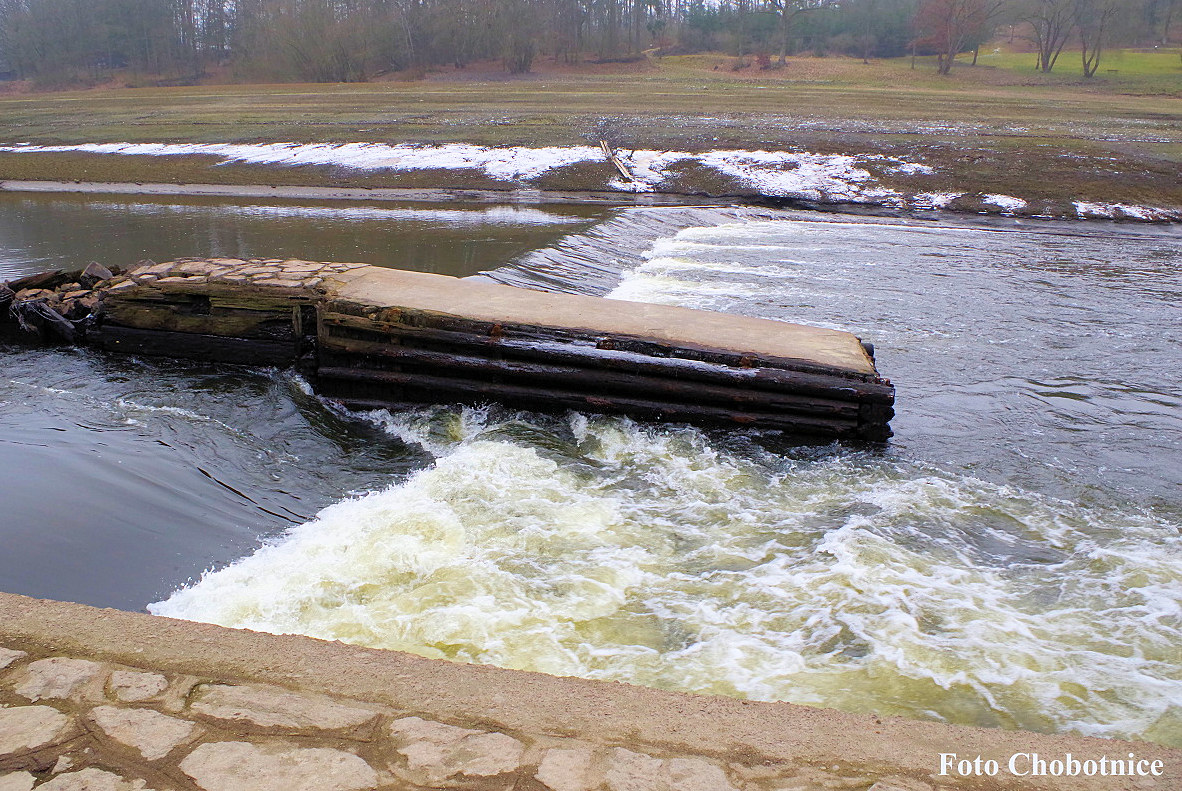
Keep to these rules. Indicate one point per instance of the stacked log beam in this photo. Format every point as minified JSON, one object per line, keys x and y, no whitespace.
{"x":373,"y":355}
{"x":253,"y":312}
{"x":386,"y":365}
{"x":380,"y":338}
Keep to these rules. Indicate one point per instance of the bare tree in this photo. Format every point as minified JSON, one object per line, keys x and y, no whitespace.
{"x":1051,"y":22}
{"x":948,"y":25}
{"x":1157,"y":18}
{"x":518,"y":32}
{"x":789,"y":11}
{"x":1092,"y":19}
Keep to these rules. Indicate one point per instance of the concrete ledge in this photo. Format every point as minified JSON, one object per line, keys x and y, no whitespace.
{"x":378,"y":289}
{"x":409,"y":194}
{"x":722,"y":742}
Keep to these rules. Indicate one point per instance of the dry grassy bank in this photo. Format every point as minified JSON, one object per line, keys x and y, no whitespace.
{"x":994,"y":128}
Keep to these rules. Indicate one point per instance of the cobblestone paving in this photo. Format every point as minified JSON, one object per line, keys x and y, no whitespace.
{"x":59,"y":303}
{"x":69,"y":724}
{"x":259,"y":272}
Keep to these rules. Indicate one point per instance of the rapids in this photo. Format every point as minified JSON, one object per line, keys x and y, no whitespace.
{"x":1011,"y":559}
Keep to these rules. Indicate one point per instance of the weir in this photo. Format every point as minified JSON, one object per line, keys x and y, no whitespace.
{"x":372,"y":337}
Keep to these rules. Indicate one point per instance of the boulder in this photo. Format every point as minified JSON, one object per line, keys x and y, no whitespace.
{"x":94,"y":273}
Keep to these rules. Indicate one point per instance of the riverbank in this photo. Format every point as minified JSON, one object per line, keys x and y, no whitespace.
{"x":1057,"y":149}
{"x":115,"y":698}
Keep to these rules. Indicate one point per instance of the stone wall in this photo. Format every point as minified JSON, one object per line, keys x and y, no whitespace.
{"x":101,"y":700}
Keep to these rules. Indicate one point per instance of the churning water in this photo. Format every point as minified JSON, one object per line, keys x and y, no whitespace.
{"x":1012,"y":558}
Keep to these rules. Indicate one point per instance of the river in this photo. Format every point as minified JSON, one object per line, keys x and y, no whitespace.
{"x":1011,"y":558}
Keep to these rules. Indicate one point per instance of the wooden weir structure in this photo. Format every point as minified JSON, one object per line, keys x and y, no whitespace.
{"x":372,"y":337}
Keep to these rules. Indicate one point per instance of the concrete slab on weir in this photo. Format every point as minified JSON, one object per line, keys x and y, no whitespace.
{"x":103,"y":699}
{"x":668,"y":324}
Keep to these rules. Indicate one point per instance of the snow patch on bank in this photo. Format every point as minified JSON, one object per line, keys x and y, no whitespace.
{"x":1007,"y":203}
{"x":802,"y":175}
{"x":511,"y":163}
{"x":811,"y":176}
{"x":911,"y":169}
{"x":786,"y":174}
{"x":934,"y":200}
{"x":1123,"y":211}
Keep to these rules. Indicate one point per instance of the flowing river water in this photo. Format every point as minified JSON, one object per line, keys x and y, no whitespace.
{"x":1012,"y":557}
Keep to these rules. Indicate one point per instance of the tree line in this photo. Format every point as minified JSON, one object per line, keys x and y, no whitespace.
{"x":947,"y":28}
{"x":355,"y":40}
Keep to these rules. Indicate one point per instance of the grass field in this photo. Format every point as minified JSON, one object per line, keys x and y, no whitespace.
{"x":1152,"y":70}
{"x":997,"y":127}
{"x":1157,"y":71}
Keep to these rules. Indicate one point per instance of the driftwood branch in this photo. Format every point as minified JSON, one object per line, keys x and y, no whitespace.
{"x":611,"y":156}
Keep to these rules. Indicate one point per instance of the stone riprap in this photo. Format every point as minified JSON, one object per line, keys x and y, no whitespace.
{"x":235,"y":298}
{"x":261,"y":273}
{"x":73,"y":295}
{"x":76,"y":724}
{"x":99,"y":700}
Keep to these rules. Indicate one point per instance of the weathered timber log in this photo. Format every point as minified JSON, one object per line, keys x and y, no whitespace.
{"x":434,"y":388}
{"x":594,"y":380}
{"x":611,"y":156}
{"x":50,"y":279}
{"x":248,"y":296}
{"x":201,"y":318}
{"x":36,"y":316}
{"x":395,"y":320}
{"x":873,"y":423}
{"x":584,"y":352}
{"x":192,"y":346}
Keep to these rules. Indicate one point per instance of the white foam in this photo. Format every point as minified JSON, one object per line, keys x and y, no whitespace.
{"x":697,"y":268}
{"x":129,"y":407}
{"x":648,"y":555}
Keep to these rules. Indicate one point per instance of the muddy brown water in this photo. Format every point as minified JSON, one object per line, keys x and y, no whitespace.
{"x":40,"y":231}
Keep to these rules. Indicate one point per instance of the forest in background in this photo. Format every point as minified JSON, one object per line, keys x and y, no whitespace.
{"x":60,"y":43}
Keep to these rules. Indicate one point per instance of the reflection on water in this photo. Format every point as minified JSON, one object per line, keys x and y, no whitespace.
{"x":1013,"y":558}
{"x":160,"y":469}
{"x":39,"y":232}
